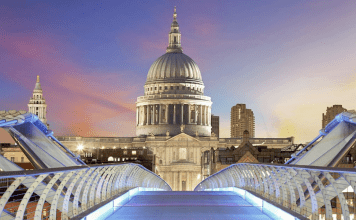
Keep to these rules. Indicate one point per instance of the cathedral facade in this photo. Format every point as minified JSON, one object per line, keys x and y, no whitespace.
{"x":173,"y":122}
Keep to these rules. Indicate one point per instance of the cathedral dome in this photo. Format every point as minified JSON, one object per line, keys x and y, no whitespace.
{"x":174,"y":68}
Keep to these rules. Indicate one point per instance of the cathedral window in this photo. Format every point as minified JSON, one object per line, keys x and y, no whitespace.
{"x":165,"y":88}
{"x":160,"y":88}
{"x":133,"y":152}
{"x":36,"y":108}
{"x":175,"y":39}
{"x":155,"y":88}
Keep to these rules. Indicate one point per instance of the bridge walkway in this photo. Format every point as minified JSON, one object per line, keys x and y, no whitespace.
{"x":187,"y":205}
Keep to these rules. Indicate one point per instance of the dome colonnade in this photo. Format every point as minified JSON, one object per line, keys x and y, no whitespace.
{"x":174,"y":94}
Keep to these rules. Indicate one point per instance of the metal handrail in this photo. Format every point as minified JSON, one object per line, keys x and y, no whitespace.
{"x":67,"y":192}
{"x":306,"y":190}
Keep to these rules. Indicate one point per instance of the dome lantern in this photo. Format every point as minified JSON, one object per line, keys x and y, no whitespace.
{"x":174,"y":37}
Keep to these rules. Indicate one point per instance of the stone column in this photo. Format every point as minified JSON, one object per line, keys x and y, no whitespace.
{"x":180,"y":181}
{"x":174,"y":113}
{"x":201,"y":114}
{"x":196,"y":114}
{"x":189,"y":113}
{"x":205,"y":117}
{"x":167,"y":156}
{"x":166,"y":114}
{"x":136,"y":115}
{"x":148,"y":114}
{"x":159,"y":114}
{"x":175,"y":181}
{"x":182,"y":112}
{"x":189,"y":184}
{"x":154,"y":114}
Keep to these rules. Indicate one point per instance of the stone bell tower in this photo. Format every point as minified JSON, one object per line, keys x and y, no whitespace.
{"x":37,"y":104}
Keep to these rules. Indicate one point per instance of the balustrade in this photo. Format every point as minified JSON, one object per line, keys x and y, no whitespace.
{"x":63,"y":193}
{"x":306,"y":190}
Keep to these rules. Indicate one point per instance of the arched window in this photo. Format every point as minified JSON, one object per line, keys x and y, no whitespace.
{"x":175,"y":39}
{"x":110,"y":159}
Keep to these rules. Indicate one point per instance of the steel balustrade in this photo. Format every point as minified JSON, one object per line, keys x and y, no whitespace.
{"x":306,"y":190}
{"x":67,"y":192}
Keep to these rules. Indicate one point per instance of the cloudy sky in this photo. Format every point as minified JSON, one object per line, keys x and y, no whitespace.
{"x":286,"y":60}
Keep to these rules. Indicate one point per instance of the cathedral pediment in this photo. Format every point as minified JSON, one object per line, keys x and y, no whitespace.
{"x":183,"y":137}
{"x":248,"y":158}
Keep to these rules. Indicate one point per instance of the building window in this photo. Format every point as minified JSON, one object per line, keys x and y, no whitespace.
{"x":22,"y":159}
{"x":125,"y":152}
{"x":165,"y":88}
{"x":36,"y":108}
{"x":118,"y":159}
{"x":13,"y":159}
{"x":155,"y":88}
{"x":141,"y":152}
{"x":177,"y":87}
{"x":133,"y":152}
{"x":160,"y":161}
{"x":175,"y":39}
{"x":171,"y":87}
{"x":160,"y":88}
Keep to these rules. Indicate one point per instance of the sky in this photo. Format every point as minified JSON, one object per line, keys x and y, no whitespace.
{"x":286,"y":60}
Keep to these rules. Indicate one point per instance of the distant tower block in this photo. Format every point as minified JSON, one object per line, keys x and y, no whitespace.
{"x":37,"y":104}
{"x":242,"y":119}
{"x":331,"y":112}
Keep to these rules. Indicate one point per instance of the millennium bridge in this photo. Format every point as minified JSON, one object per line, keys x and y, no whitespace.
{"x":309,"y":186}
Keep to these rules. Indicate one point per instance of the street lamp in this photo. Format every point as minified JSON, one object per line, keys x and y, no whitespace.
{"x":80,"y":147}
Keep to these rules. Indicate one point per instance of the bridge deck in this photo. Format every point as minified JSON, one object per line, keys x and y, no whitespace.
{"x":187,"y":205}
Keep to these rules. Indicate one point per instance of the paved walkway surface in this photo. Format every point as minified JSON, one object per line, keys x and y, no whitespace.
{"x":188,"y":205}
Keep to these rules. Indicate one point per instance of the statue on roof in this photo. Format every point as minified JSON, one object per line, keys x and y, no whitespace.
{"x":182,"y":128}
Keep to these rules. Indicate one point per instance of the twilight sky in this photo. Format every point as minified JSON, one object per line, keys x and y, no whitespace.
{"x":286,"y":60}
